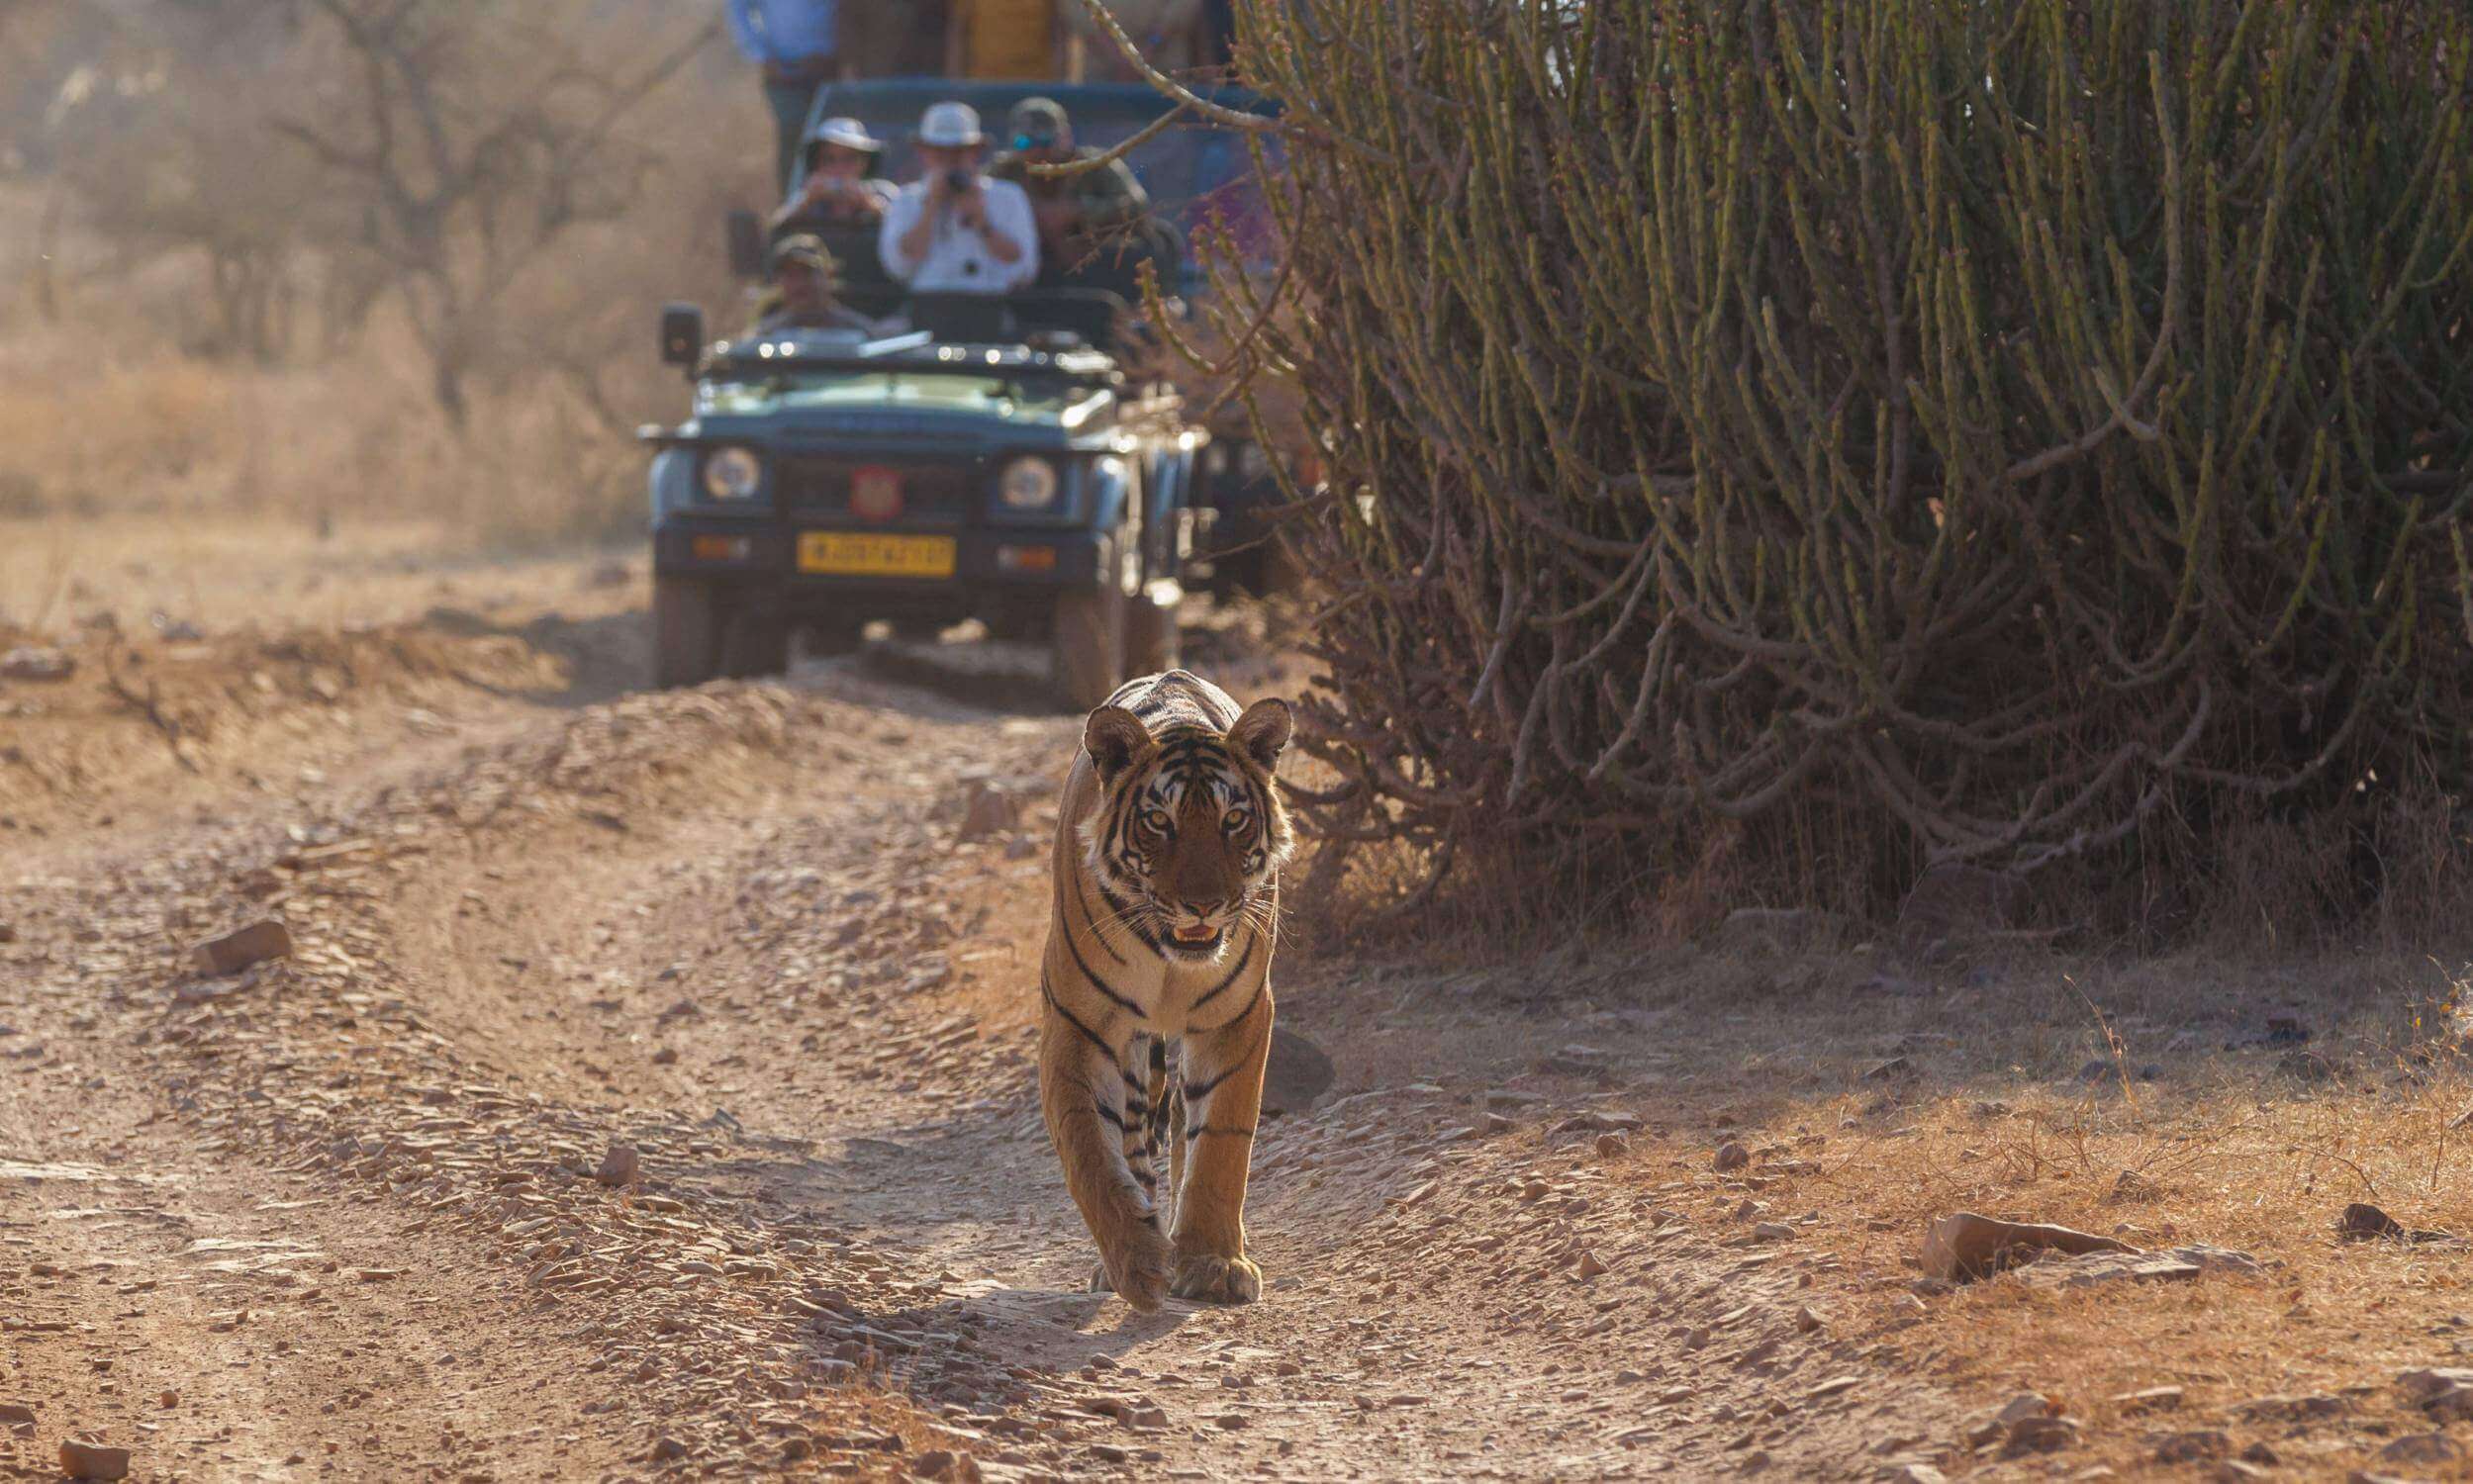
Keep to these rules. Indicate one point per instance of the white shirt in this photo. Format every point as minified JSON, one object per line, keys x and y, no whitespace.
{"x":957,"y":260}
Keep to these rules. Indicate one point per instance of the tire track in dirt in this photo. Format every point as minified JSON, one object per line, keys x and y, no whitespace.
{"x":1452,"y":1293}
{"x":735,"y":931}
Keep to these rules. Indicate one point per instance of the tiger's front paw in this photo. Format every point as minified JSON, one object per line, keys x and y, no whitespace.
{"x":1216,"y":1280}
{"x":1137,"y":1270}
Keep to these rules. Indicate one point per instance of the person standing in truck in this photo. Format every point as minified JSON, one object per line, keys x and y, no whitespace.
{"x":798,"y":44}
{"x":954,"y":231}
{"x":1081,"y":218}
{"x":842,"y":186}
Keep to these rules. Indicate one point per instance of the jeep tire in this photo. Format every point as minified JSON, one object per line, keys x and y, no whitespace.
{"x":686,"y":627}
{"x":755,"y":645}
{"x":833,"y":637}
{"x":1089,"y":658}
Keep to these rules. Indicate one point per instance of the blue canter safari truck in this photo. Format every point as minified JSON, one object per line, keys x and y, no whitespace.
{"x":1009,"y":459}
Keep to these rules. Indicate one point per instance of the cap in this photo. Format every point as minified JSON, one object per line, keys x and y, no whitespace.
{"x":801,"y":247}
{"x":849,"y":134}
{"x":950,"y":125}
{"x":1038,"y":116}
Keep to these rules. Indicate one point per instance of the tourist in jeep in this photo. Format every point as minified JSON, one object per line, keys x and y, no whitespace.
{"x":1093,"y":225}
{"x":955,"y":231}
{"x":804,"y":278}
{"x":841,"y":188}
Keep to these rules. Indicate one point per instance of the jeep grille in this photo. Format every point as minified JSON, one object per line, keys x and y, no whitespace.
{"x":939,"y":493}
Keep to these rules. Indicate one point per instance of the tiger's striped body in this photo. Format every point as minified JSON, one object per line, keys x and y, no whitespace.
{"x":1157,"y":981}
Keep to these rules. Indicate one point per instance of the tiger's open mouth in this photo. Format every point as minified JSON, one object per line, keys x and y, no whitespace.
{"x":1196,"y":933}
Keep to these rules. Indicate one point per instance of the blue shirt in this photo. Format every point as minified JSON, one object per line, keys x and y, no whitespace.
{"x":786,"y":31}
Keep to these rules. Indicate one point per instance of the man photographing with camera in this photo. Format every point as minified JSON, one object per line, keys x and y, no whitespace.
{"x":954,"y":231}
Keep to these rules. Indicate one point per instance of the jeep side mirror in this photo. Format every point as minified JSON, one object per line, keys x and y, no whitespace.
{"x":746,"y":243}
{"x":682,"y":334}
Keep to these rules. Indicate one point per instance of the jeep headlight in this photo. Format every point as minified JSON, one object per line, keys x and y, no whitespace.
{"x":733,"y":474}
{"x":1027,"y":484}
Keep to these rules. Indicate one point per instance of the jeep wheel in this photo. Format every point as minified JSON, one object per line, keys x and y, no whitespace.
{"x":686,"y":633}
{"x":755,"y":646}
{"x":832,"y":637}
{"x":1089,"y":654}
{"x":1153,"y":637}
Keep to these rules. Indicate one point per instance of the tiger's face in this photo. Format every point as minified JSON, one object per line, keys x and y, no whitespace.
{"x":1190,"y":830}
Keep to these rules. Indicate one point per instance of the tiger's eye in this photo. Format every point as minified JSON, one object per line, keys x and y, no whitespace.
{"x":1235,"y":821}
{"x":1156,"y":819}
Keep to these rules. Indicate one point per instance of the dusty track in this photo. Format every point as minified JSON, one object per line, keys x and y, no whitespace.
{"x":345,"y":1207}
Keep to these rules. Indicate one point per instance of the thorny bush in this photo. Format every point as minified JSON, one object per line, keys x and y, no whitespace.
{"x":1878,"y":433}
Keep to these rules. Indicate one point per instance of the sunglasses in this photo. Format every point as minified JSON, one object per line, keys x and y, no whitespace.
{"x":1034,"y":140}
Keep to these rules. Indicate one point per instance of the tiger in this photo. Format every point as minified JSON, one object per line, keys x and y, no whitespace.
{"x":1155,"y":980}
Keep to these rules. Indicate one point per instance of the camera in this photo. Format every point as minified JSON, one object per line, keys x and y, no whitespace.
{"x":959,"y":182}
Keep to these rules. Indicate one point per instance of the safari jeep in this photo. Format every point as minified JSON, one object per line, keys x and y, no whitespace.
{"x":824,"y":481}
{"x":1202,"y":187}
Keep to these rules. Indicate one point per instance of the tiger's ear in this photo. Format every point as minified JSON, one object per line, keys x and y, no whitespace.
{"x":1263,"y":730}
{"x":1116,"y":739}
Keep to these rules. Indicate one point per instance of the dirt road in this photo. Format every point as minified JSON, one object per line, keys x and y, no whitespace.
{"x":649,"y":1092}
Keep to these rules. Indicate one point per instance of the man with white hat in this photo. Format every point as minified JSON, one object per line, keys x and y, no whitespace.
{"x":955,"y":231}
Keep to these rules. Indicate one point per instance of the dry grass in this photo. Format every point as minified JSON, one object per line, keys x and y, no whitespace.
{"x":106,"y":408}
{"x":134,"y":429}
{"x":2030,"y":1084}
{"x":222,"y":570}
{"x":2142,"y":1101}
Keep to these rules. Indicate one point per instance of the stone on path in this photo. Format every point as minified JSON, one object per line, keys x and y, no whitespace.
{"x":2423,"y":1447}
{"x":2295,"y":1408}
{"x":2446,"y":1392}
{"x":2201,"y":1445}
{"x":234,"y":951}
{"x":621,"y":1165}
{"x":2175,"y":1266}
{"x":2153,"y":1399}
{"x":34,"y":662}
{"x":988,"y":812}
{"x":92,"y":1460}
{"x":2363,"y":1222}
{"x":1963,"y":1246}
{"x":1297,"y":1072}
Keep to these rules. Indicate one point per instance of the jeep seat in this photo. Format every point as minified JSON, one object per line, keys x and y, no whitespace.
{"x":1096,"y":315}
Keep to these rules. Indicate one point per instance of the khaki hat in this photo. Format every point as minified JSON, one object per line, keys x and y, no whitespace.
{"x":1038,"y":114}
{"x":803,"y":247}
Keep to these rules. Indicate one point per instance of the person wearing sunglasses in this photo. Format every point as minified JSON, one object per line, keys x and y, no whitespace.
{"x":1098,"y":213}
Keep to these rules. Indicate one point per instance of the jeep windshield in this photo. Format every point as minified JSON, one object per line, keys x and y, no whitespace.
{"x":1010,"y":397}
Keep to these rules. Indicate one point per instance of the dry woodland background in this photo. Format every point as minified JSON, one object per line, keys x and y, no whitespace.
{"x":1636,"y":1132}
{"x":225,"y":301}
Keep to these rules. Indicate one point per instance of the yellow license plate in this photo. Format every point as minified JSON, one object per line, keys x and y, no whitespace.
{"x":869,"y":555}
